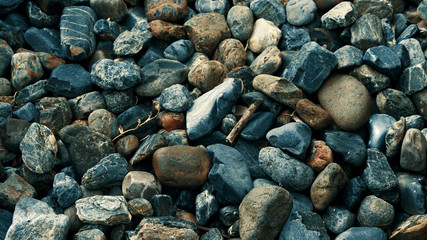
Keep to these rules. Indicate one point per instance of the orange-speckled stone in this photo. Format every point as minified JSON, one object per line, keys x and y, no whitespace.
{"x":168,"y":32}
{"x":168,"y":10}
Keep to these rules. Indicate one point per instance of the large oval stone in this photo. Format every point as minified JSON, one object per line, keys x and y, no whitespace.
{"x":347,"y":101}
{"x":182,"y":166}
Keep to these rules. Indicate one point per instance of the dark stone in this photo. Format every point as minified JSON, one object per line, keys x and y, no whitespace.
{"x":104,"y":122}
{"x":5,"y":86}
{"x":107,"y":30}
{"x":14,"y":189}
{"x":245,"y":74}
{"x":129,"y":119}
{"x":414,"y":48}
{"x":258,"y":126}
{"x":229,"y":174}
{"x":118,"y":101}
{"x":153,"y":52}
{"x":166,"y":31}
{"x":163,"y":205}
{"x":338,"y":219}
{"x":32,"y":92}
{"x":51,"y":202}
{"x":13,"y":132}
{"x":409,"y":32}
{"x":354,"y":191}
{"x":414,"y":121}
{"x":12,"y":35}
{"x":267,"y":105}
{"x":6,"y":54}
{"x":378,"y":127}
{"x":367,"y":32}
{"x":394,"y":137}
{"x":373,"y":80}
{"x":115,"y":75}
{"x":5,"y":113}
{"x":394,"y":103}
{"x":384,"y":60}
{"x":40,"y":19}
{"x":180,"y":50}
{"x":293,"y":37}
{"x":45,"y":40}
{"x":348,"y":57}
{"x":304,"y":225}
{"x":375,"y":212}
{"x":8,"y":6}
{"x":228,"y":215}
{"x":228,"y":123}
{"x":83,"y":105}
{"x":66,"y":190}
{"x":388,"y":32}
{"x":177,"y":137}
{"x":26,"y":69}
{"x":111,"y":9}
{"x":420,"y":99}
{"x":273,"y":11}
{"x":55,"y":113}
{"x":412,"y":197}
{"x":348,"y":146}
{"x":89,"y":234}
{"x":206,"y":207}
{"x":412,"y":80}
{"x":294,"y":138}
{"x":213,"y":234}
{"x":240,"y":19}
{"x":41,"y":182}
{"x":17,"y":20}
{"x":5,"y":222}
{"x":140,"y":208}
{"x":69,"y":80}
{"x":186,"y":200}
{"x":250,"y":153}
{"x":362,"y":233}
{"x":175,"y":98}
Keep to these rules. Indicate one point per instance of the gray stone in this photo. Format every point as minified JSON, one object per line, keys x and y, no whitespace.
{"x":375,"y":212}
{"x":373,"y":80}
{"x":300,"y":12}
{"x":362,"y":233}
{"x":5,"y":222}
{"x":5,"y":113}
{"x":217,"y":6}
{"x":206,"y":207}
{"x":383,"y":59}
{"x":69,"y":80}
{"x":175,"y":98}
{"x":180,"y":50}
{"x":394,"y":103}
{"x":388,"y":32}
{"x":348,"y":57}
{"x":378,"y":127}
{"x":341,"y":15}
{"x":409,"y":32}
{"x":140,"y":207}
{"x":130,"y":118}
{"x":272,"y":10}
{"x":82,"y":106}
{"x":413,"y":155}
{"x":250,"y":153}
{"x":28,"y":112}
{"x":267,"y":62}
{"x":40,"y":19}
{"x":26,"y":69}
{"x":293,"y":37}
{"x":104,"y":122}
{"x":115,"y":75}
{"x":139,"y":184}
{"x":412,"y":80}
{"x":13,"y":132}
{"x":338,"y":219}
{"x":6,"y":54}
{"x":55,"y":113}
{"x":258,"y":126}
{"x":32,"y":92}
{"x":119,"y":101}
{"x":177,"y":137}
{"x":162,"y":205}
{"x":304,"y":225}
{"x":367,"y":32}
{"x":240,"y":19}
{"x":413,"y":199}
{"x":5,"y":85}
{"x":264,"y":34}
{"x":416,"y":54}
{"x":129,"y":43}
{"x":394,"y":137}
{"x":107,"y":30}
{"x":66,"y":190}
{"x":45,"y":40}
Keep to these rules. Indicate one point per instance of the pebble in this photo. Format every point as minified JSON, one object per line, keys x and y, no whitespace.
{"x":180,"y":50}
{"x":104,"y":122}
{"x":378,"y":127}
{"x":182,"y":166}
{"x":300,"y":12}
{"x":5,"y":113}
{"x":321,"y":156}
{"x":175,"y":98}
{"x":348,"y":57}
{"x":412,"y":80}
{"x":394,"y":137}
{"x":115,"y":75}
{"x":217,"y":6}
{"x":40,"y":19}
{"x":66,"y":190}
{"x":258,"y":126}
{"x":383,"y":59}
{"x":139,"y":113}
{"x":164,"y":227}
{"x":231,"y":53}
{"x":240,"y":19}
{"x":375,"y":212}
{"x":413,"y":156}
{"x":315,"y":116}
{"x":129,"y":43}
{"x":273,"y":11}
{"x":267,"y":62}
{"x":83,"y":105}
{"x":228,"y":123}
{"x":228,"y":215}
{"x":6,"y":54}
{"x":341,"y":15}
{"x":167,"y":10}
{"x":373,"y":80}
{"x":414,"y":121}
{"x":103,"y":210}
{"x":338,"y":219}
{"x":63,"y":84}
{"x":412,"y":228}
{"x":140,"y":208}
{"x":206,"y":207}
{"x":107,"y":30}
{"x":250,"y":153}
{"x":26,"y":69}
{"x":293,"y":37}
{"x":415,"y":51}
{"x":172,"y":121}
{"x":213,"y":234}
{"x":166,"y":31}
{"x":118,"y":101}
{"x":45,"y":40}
{"x":402,"y":52}
{"x":207,"y":75}
{"x":139,"y":184}
{"x":32,"y":92}
{"x":148,"y":147}
{"x":394,"y":103}
{"x":263,"y":212}
{"x":347,"y":146}
{"x":310,"y":79}
{"x":162,"y":205}
{"x":348,"y":115}
{"x":111,"y":9}
{"x":366,"y":32}
{"x":14,"y":189}
{"x":362,"y":233}
{"x":285,"y":170}
{"x":412,"y":196}
{"x":302,"y":225}
{"x":27,"y":112}
{"x":264,"y":34}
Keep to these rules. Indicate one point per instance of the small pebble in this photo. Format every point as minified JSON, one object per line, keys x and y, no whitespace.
{"x":300,"y":12}
{"x":66,"y":190}
{"x":378,"y":127}
{"x":180,"y":50}
{"x":162,"y":205}
{"x":338,"y":219}
{"x":373,"y":80}
{"x":139,"y":184}
{"x":264,"y":34}
{"x":206,"y":207}
{"x":240,"y":19}
{"x":375,"y":212}
{"x":320,"y":157}
{"x":413,"y":155}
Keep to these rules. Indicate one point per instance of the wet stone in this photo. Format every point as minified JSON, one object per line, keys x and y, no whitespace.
{"x":55,"y":113}
{"x":373,"y":80}
{"x":118,"y":101}
{"x":413,"y":154}
{"x":140,"y":207}
{"x":127,"y":145}
{"x":104,"y":122}
{"x":26,"y":69}
{"x":347,"y":146}
{"x":264,"y":34}
{"x":186,"y":200}
{"x":379,"y":177}
{"x":293,"y":37}
{"x":258,"y":126}
{"x":415,"y":51}
{"x":228,"y":123}
{"x":338,"y":219}
{"x":206,"y":207}
{"x":166,"y":31}
{"x":412,"y":228}
{"x":341,"y":15}
{"x":14,"y":189}
{"x":394,"y":137}
{"x":103,"y":210}
{"x":273,"y":11}
{"x":66,"y":190}
{"x":320,"y":156}
{"x":412,"y":80}
{"x":167,"y":10}
{"x":64,"y":84}
{"x":302,"y":225}
{"x":213,"y":234}
{"x":5,"y":113}
{"x":375,"y":212}
{"x":293,"y":137}
{"x":163,"y":205}
{"x":175,"y":98}
{"x":412,"y":197}
{"x":394,"y":103}
{"x":414,"y":121}
{"x":149,"y":146}
{"x":378,"y":127}
{"x":107,"y":30}
{"x":267,"y":62}
{"x":40,"y":19}
{"x":362,"y":233}
{"x":180,"y":50}
{"x":250,"y":153}
{"x":115,"y":75}
{"x":112,"y":9}
{"x":6,"y":54}
{"x":83,"y":105}
{"x":300,"y":12}
{"x":367,"y":32}
{"x":139,"y":184}
{"x":240,"y":19}
{"x":285,"y":170}
{"x":231,"y":53}
{"x":348,"y":57}
{"x":383,"y":60}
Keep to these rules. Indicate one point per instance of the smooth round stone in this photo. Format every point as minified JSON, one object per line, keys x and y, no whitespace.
{"x":300,"y":12}
{"x":341,"y":15}
{"x":115,"y":75}
{"x":373,"y":80}
{"x":240,"y":19}
{"x":217,"y":6}
{"x":231,"y":53}
{"x":327,"y":185}
{"x":375,"y":212}
{"x":293,"y":137}
{"x":104,"y":122}
{"x":315,"y":116}
{"x":272,"y":10}
{"x":394,"y":137}
{"x":264,"y":34}
{"x":267,"y":62}
{"x":347,"y":101}
{"x":228,"y":123}
{"x":338,"y":219}
{"x":258,"y":126}
{"x":206,"y":207}
{"x":362,"y":233}
{"x":166,"y":31}
{"x":127,"y":145}
{"x":207,"y":75}
{"x":293,"y":37}
{"x":263,"y":212}
{"x":180,"y":50}
{"x":167,"y":10}
{"x":412,"y":197}
{"x":111,"y":9}
{"x":394,"y":103}
{"x":6,"y":54}
{"x":378,"y":127}
{"x":413,"y":155}
{"x":175,"y":98}
{"x":140,"y":207}
{"x":348,"y":57}
{"x":69,"y":80}
{"x":320,"y":157}
{"x":139,"y":184}
{"x":26,"y":68}
{"x":66,"y":190}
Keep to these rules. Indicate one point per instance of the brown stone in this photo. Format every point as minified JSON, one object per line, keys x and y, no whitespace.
{"x":373,"y":80}
{"x":321,"y":156}
{"x":167,"y":10}
{"x":14,"y":189}
{"x":231,"y":53}
{"x":315,"y":116}
{"x":168,"y":32}
{"x":413,"y":154}
{"x":149,"y":146}
{"x":381,"y":8}
{"x":140,"y":184}
{"x":267,"y":62}
{"x":161,"y":232}
{"x":284,"y":118}
{"x":26,"y":68}
{"x":413,"y":228}
{"x":80,"y":122}
{"x":207,"y":75}
{"x":140,"y":207}
{"x":182,"y":166}
{"x":326,"y":4}
{"x":171,"y":120}
{"x":184,"y":215}
{"x":127,"y":145}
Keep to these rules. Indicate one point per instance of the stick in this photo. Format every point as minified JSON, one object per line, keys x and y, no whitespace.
{"x":207,"y":230}
{"x":243,"y":121}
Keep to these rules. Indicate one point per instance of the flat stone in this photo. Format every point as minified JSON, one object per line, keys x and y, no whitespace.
{"x":207,"y":6}
{"x":148,"y":147}
{"x":293,"y":37}
{"x":207,"y":75}
{"x":383,"y":60}
{"x":315,"y":116}
{"x":118,"y":101}
{"x":362,"y":233}
{"x":394,"y":103}
{"x":206,"y":207}
{"x":416,"y":54}
{"x":103,"y":210}
{"x":139,"y":184}
{"x":285,"y":170}
{"x":83,"y":105}
{"x":345,"y":113}
{"x":66,"y":190}
{"x":264,"y":34}
{"x":300,"y":12}
{"x":338,"y":219}
{"x":412,"y":197}
{"x":115,"y":75}
{"x":64,"y":84}
{"x":413,"y":154}
{"x":273,"y":11}
{"x":32,"y":92}
{"x":367,"y":32}
{"x":240,"y":19}
{"x":375,"y":212}
{"x":412,"y":228}
{"x":347,"y":146}
{"x":164,"y":227}
{"x":231,"y":53}
{"x":167,"y":10}
{"x":412,"y":80}
{"x":373,"y":80}
{"x":26,"y":69}
{"x":104,"y":122}
{"x":14,"y":189}
{"x":378,"y":127}
{"x":268,"y":62}
{"x":263,"y":212}
{"x":55,"y":113}
{"x":166,"y":31}
{"x":258,"y":126}
{"x":163,"y":205}
{"x":112,"y":9}
{"x":140,"y":207}
{"x":320,"y":156}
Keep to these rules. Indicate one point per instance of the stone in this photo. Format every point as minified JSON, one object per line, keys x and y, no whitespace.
{"x":341,"y":15}
{"x":267,"y":105}
{"x":383,"y":59}
{"x":345,"y":113}
{"x":419,"y":99}
{"x":293,"y":37}
{"x":166,"y":31}
{"x":207,"y":75}
{"x":5,"y":222}
{"x":207,"y":6}
{"x":231,"y":53}
{"x":273,"y":11}
{"x":375,"y":212}
{"x":415,"y":51}
{"x":148,"y":147}
{"x":167,"y":10}
{"x":208,"y":110}
{"x":206,"y":207}
{"x":378,"y":127}
{"x":412,"y":196}
{"x":348,"y":57}
{"x":320,"y":156}
{"x":13,"y":132}
{"x":127,"y":145}
{"x":5,"y":113}
{"x":64,"y":84}
{"x":228,"y":215}
{"x":27,"y":112}
{"x":129,"y":43}
{"x":394,"y":103}
{"x":104,"y":122}
{"x":293,"y":137}
{"x":172,"y":121}
{"x":107,"y":30}
{"x":315,"y":116}
{"x":90,"y":234}
{"x":285,"y":170}
{"x":327,"y":185}
{"x":55,"y":113}
{"x":140,"y":207}
{"x":77,"y":37}
{"x":300,"y":70}
{"x":163,"y":205}
{"x":130,"y":118}
{"x":353,"y":192}
{"x":258,"y":126}
{"x":118,"y":101}
{"x":379,"y":177}
{"x":164,"y":227}
{"x":14,"y":36}
{"x":394,"y":137}
{"x":409,"y":32}
{"x":367,"y":32}
{"x":159,"y":75}
{"x":278,"y":88}
{"x":338,"y":219}
{"x":229,"y":174}
{"x":139,"y":184}
{"x":263,"y":212}
{"x":228,"y":123}
{"x":180,"y":50}
{"x":213,"y":234}
{"x":414,"y":121}
{"x":14,"y":189}
{"x":362,"y":233}
{"x":413,"y":154}
{"x":115,"y":75}
{"x":267,"y":62}
{"x":85,"y":146}
{"x":39,"y":149}
{"x":111,"y":9}
{"x":83,"y":105}
{"x":240,"y":20}
{"x":26,"y":69}
{"x":304,"y":224}
{"x":264,"y":34}
{"x":300,"y":12}
{"x":5,"y":86}
{"x":66,"y":190}
{"x":45,"y":40}
{"x":326,"y":4}
{"x":206,"y":31}
{"x":250,"y":153}
{"x":373,"y":80}
{"x":40,"y":19}
{"x":6,"y":54}
{"x":103,"y":210}
{"x":347,"y":146}
{"x":412,"y":80}
{"x":32,"y":92}
{"x":412,"y":228}
{"x":382,"y":9}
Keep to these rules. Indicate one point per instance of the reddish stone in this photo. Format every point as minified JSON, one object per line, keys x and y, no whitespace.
{"x":168,"y":10}
{"x":184,"y":215}
{"x":321,"y":156}
{"x":48,"y":60}
{"x":168,"y":32}
{"x":171,"y":120}
{"x":315,"y":116}
{"x":413,"y":228}
{"x":127,"y":145}
{"x":14,"y":189}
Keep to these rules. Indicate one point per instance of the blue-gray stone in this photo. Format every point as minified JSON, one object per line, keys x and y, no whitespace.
{"x":32,"y":92}
{"x":186,"y":200}
{"x":250,"y":154}
{"x":310,"y":67}
{"x":347,"y":146}
{"x":271,"y":10}
{"x":245,"y":74}
{"x":153,"y":52}
{"x":163,"y":205}
{"x":414,"y":121}
{"x":66,"y":190}
{"x":394,"y":103}
{"x":209,"y":109}
{"x":217,"y":6}
{"x":69,"y":80}
{"x":177,"y":137}
{"x":415,"y":50}
{"x":402,"y":53}
{"x":12,"y":134}
{"x":108,"y":172}
{"x":240,"y":20}
{"x":348,"y":57}
{"x":180,"y":50}
{"x":83,"y":105}
{"x":38,"y":149}
{"x":399,"y":22}
{"x":409,"y":32}
{"x":379,"y":177}
{"x":412,"y":80}
{"x":5,"y":222}
{"x":206,"y":207}
{"x":301,"y":203}
{"x":388,"y":32}
{"x":40,"y":19}
{"x":107,"y":30}
{"x":338,"y":219}
{"x":378,"y":127}
{"x":375,"y":212}
{"x":45,"y":40}
{"x":17,"y":20}
{"x":354,"y":191}
{"x":228,"y":123}
{"x":129,"y":119}
{"x":119,"y":101}
{"x":229,"y":174}
{"x":293,"y":137}
{"x":7,"y":6}
{"x":304,"y":225}
{"x":362,"y":233}
{"x":115,"y":75}
{"x":412,"y":197}
{"x":27,"y":112}
{"x":129,"y":43}
{"x":12,"y":35}
{"x":228,"y":215}
{"x":5,"y":113}
{"x":267,"y":105}
{"x":51,"y":202}
{"x":384,"y":60}
{"x":175,"y":98}
{"x":6,"y":54}
{"x":259,"y":124}
{"x":212,"y":234}
{"x":293,"y":37}
{"x":261,"y":182}
{"x":301,"y":12}
{"x":285,"y":170}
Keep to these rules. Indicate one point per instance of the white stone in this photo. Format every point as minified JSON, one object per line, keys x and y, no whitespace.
{"x":300,"y":12}
{"x":265,"y":34}
{"x":342,"y":15}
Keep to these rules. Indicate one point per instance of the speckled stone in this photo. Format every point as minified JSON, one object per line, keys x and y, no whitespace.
{"x":348,"y":57}
{"x":413,"y":154}
{"x":140,"y":207}
{"x":104,"y":122}
{"x":383,"y":59}
{"x":55,"y":113}
{"x":94,"y":234}
{"x":111,"y":9}
{"x":118,"y":101}
{"x":26,"y":69}
{"x":394,"y":103}
{"x":115,"y":75}
{"x":338,"y":219}
{"x":264,"y":34}
{"x":139,"y":113}
{"x":240,"y":19}
{"x":373,"y":80}
{"x":27,"y":112}
{"x":382,"y":9}
{"x":127,"y":145}
{"x":166,"y":31}
{"x":375,"y":212}
{"x":175,"y":98}
{"x":353,"y":108}
{"x":65,"y":190}
{"x":367,"y":32}
{"x":14,"y":189}
{"x":414,"y":48}
{"x":206,"y":207}
{"x":341,"y":15}
{"x":129,"y":43}
{"x":320,"y":156}
{"x":139,"y":184}
{"x":378,"y":127}
{"x":293,"y":137}
{"x":267,"y":62}
{"x":167,"y":10}
{"x":412,"y":228}
{"x":293,"y":37}
{"x":362,"y":233}
{"x":273,"y":11}
{"x":83,"y":105}
{"x":164,"y":227}
{"x":300,"y":12}
{"x":231,"y":53}
{"x":412,"y":196}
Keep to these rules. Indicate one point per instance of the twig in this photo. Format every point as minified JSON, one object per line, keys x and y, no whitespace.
{"x":207,"y":230}
{"x":243,"y":121}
